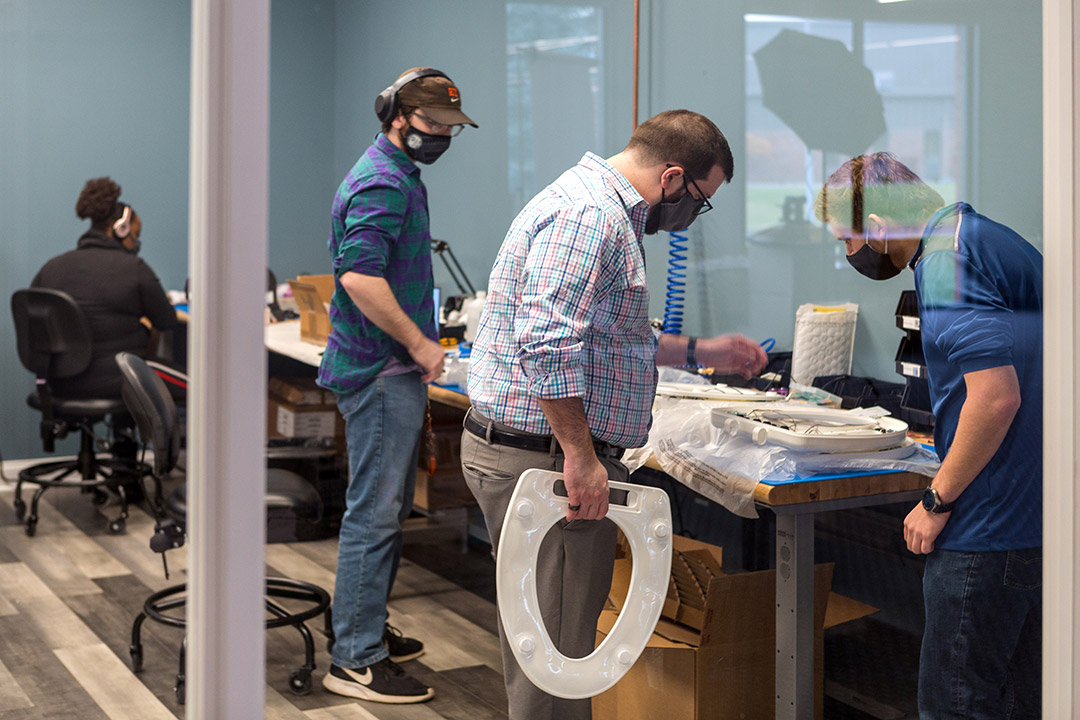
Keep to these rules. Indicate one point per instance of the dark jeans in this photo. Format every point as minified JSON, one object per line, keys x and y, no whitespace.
{"x":982,"y":647}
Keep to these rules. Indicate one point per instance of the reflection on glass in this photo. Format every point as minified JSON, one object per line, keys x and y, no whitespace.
{"x":554,"y":78}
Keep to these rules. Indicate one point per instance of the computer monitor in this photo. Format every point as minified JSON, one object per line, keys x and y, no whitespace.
{"x":436,"y":296}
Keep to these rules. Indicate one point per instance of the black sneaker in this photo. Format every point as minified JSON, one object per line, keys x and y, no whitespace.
{"x":382,"y":682}
{"x":402,"y":649}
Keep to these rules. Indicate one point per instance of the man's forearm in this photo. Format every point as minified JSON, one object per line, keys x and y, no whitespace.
{"x":373,"y":296}
{"x":570,"y":426}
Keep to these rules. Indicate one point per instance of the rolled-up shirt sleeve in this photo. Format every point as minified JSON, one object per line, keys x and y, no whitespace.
{"x":560,"y":285}
{"x":372,"y":225}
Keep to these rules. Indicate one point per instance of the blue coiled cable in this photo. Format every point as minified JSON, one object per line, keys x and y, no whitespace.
{"x":676,"y":285}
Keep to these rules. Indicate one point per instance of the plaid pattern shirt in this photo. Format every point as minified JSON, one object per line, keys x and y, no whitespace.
{"x":567,"y":310}
{"x":379,"y":227}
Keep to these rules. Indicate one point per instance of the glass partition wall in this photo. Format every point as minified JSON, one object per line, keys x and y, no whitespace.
{"x":953,"y":90}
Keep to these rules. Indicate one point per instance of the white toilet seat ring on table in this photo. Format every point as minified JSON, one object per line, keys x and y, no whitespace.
{"x":534,"y":508}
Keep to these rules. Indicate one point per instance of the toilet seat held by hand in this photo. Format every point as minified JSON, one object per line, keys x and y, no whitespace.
{"x":645,"y":520}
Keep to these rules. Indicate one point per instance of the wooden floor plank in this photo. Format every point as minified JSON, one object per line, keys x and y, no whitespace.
{"x":11,"y":695}
{"x":279,"y":708}
{"x":49,"y":561}
{"x":352,"y":711}
{"x":415,"y":580}
{"x":457,"y":699}
{"x":323,"y":552}
{"x":38,"y":672}
{"x":53,"y":621}
{"x":86,"y":555}
{"x":110,"y":615}
{"x":287,"y":562}
{"x":111,"y":684}
{"x":485,"y":684}
{"x":457,"y":642}
{"x":420,"y":711}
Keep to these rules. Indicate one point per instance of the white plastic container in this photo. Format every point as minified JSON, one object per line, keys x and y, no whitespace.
{"x":472,"y":309}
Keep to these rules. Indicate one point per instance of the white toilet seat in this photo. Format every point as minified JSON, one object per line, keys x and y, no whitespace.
{"x":534,"y":508}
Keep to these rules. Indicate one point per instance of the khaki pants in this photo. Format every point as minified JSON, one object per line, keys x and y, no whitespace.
{"x":573,"y":569}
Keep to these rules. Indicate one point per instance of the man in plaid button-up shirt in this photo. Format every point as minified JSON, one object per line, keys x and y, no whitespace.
{"x":565,"y":348}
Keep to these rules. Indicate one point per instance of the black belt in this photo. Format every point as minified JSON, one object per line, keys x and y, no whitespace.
{"x":481,"y":427}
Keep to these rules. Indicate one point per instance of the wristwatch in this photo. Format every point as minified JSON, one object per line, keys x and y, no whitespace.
{"x":932,"y":503}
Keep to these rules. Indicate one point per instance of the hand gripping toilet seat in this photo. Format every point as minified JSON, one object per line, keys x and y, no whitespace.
{"x":534,"y":508}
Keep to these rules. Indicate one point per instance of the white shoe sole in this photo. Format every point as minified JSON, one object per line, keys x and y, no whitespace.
{"x":406,"y":658}
{"x":351,"y":689}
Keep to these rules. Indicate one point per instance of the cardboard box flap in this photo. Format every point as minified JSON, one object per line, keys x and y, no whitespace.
{"x":844,"y":609}
{"x":314,"y":319}
{"x":607,"y":621}
{"x":726,"y":619}
{"x":324,"y":285}
{"x":300,"y":391}
{"x":676,"y":633}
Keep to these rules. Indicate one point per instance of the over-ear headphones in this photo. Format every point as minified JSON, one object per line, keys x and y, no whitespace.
{"x":387,"y":104}
{"x":122,"y":226}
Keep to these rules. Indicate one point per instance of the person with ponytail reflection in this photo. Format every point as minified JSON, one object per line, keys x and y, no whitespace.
{"x":979,"y":287}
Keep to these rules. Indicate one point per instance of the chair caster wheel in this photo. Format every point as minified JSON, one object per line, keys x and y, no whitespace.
{"x":117,"y":526}
{"x":31,"y":525}
{"x":136,"y":659}
{"x":20,"y":508}
{"x":300,"y":681}
{"x":179,"y":691}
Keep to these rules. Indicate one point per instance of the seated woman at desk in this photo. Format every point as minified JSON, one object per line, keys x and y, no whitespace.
{"x":120,"y":295}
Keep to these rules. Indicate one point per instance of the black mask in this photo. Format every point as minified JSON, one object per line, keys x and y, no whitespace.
{"x":424,"y":147}
{"x":136,"y":245}
{"x":673,"y":216}
{"x":873,"y":264}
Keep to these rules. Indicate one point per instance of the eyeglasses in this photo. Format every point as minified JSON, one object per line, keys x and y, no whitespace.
{"x":438,"y":128}
{"x":704,"y":205}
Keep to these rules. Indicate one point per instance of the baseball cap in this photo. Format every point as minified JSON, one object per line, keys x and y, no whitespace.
{"x":438,"y":97}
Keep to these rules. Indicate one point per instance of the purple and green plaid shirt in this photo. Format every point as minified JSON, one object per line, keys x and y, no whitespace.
{"x":567,"y":310}
{"x":379,"y":227}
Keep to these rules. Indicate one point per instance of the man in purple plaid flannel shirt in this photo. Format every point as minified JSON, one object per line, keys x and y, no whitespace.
{"x":383,"y":348}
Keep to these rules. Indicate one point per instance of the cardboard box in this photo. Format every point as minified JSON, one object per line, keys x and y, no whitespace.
{"x":727,"y":668}
{"x":300,"y":391}
{"x":314,"y":317}
{"x":285,"y":419}
{"x":445,"y":488}
{"x":324,"y":285}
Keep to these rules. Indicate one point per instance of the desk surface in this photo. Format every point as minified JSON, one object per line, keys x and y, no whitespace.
{"x":284,"y":338}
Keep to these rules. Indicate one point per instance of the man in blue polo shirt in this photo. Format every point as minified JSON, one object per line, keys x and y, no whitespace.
{"x":979,"y":288}
{"x":383,"y":348}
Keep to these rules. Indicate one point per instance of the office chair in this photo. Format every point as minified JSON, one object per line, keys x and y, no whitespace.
{"x":54,"y":341}
{"x":287,"y":495}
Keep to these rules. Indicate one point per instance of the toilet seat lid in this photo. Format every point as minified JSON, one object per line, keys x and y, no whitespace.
{"x":534,"y":508}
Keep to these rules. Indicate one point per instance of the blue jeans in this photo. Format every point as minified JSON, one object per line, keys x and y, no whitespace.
{"x":982,"y":646}
{"x":383,"y":423}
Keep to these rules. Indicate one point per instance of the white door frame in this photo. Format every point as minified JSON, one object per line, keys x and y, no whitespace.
{"x":226,"y":518}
